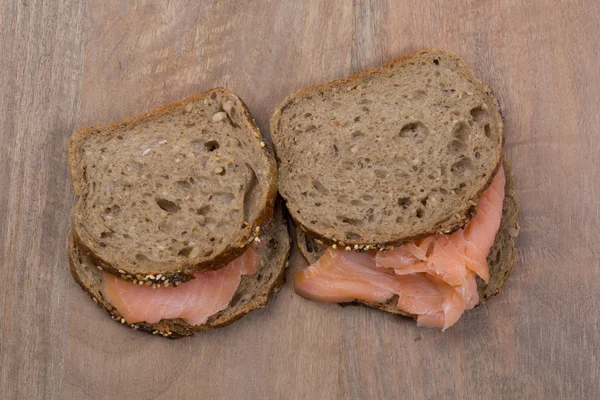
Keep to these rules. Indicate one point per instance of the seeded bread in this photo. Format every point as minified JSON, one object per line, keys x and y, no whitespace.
{"x":182,"y":188}
{"x":254,"y":290}
{"x":500,"y":258}
{"x":389,"y":154}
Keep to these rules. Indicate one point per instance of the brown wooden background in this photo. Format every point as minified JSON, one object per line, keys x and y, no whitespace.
{"x":65,"y":64}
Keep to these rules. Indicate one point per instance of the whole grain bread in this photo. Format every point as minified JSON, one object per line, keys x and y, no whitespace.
{"x":181,"y":188}
{"x":389,"y":154}
{"x":500,"y":258}
{"x":254,"y":291}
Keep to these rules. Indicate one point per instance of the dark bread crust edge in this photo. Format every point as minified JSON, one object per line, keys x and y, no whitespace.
{"x":460,"y":217}
{"x":500,"y":259}
{"x":183,"y":271}
{"x":177,"y":328}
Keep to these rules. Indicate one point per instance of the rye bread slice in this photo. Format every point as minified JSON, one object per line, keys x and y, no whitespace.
{"x":254,"y":291}
{"x":389,"y":154}
{"x":181,"y":188}
{"x":500,"y":259}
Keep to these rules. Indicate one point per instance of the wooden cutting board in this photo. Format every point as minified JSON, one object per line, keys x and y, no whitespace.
{"x":66,"y":64}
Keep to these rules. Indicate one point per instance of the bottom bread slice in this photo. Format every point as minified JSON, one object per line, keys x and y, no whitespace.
{"x":500,"y":259}
{"x":254,"y":291}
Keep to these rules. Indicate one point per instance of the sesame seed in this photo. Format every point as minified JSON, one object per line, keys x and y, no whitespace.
{"x":146,"y":152}
{"x":99,"y":267}
{"x":121,"y":271}
{"x":319,"y":241}
{"x":123,"y":320}
{"x":334,"y":246}
{"x":355,"y":246}
{"x":150,"y":277}
{"x":95,"y":300}
{"x":262,"y":144}
{"x":348,"y":248}
{"x":140,"y":283}
{"x":257,"y":229}
{"x":135,"y":281}
{"x":158,"y":276}
{"x":162,"y":142}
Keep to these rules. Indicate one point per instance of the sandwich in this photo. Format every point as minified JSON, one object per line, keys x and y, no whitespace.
{"x":397,"y":184}
{"x":175,"y":229}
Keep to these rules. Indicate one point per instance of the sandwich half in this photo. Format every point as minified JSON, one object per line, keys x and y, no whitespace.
{"x":175,"y":228}
{"x":395,"y":178}
{"x":214,"y":299}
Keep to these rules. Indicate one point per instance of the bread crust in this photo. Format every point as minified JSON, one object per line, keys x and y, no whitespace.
{"x":459,"y":218}
{"x":182,"y":271}
{"x":501,"y":257}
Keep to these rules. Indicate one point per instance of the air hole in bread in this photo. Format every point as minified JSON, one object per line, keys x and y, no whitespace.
{"x":310,"y":128}
{"x":420,"y":212}
{"x":307,"y":115}
{"x":167,"y":205}
{"x":461,"y":131}
{"x":349,"y":221}
{"x":352,"y":236}
{"x":203,"y":210}
{"x":414,"y":131}
{"x":358,"y":135}
{"x":185,"y":252}
{"x":487,"y":130}
{"x":141,"y":257}
{"x":319,"y":187}
{"x":424,"y":201}
{"x":183,"y":184}
{"x":480,"y":115}
{"x":381,"y":174}
{"x":357,"y":202}
{"x":462,"y":168}
{"x":457,"y":147}
{"x":106,"y":234}
{"x":211,"y":145}
{"x":404,"y":202}
{"x":367,"y":197}
{"x":310,"y":244}
{"x":223,"y":197}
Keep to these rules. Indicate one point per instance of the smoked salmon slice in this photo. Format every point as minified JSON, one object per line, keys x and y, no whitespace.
{"x":434,"y":278}
{"x":193,"y":301}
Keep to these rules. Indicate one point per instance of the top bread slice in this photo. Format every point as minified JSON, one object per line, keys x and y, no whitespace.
{"x":179,"y":189}
{"x":390,"y":154}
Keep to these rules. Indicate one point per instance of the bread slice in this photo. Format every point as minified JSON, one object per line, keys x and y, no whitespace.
{"x":500,"y":258}
{"x":182,"y":188}
{"x":254,"y":290}
{"x":389,"y":154}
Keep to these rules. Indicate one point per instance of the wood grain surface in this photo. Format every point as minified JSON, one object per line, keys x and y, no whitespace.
{"x":65,"y":64}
